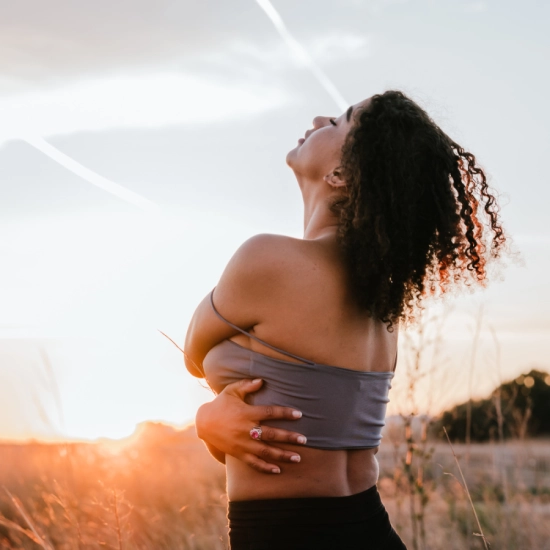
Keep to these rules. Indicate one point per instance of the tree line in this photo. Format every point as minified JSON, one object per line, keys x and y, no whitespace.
{"x":516,"y":409}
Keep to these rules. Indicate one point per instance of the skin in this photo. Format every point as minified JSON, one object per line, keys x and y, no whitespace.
{"x":293,"y":294}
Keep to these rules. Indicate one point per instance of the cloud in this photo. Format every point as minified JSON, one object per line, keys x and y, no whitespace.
{"x":146,"y":101}
{"x":78,"y":67}
{"x":250,"y":59}
{"x":336,"y":46}
{"x":275,"y":63}
{"x":45,"y":44}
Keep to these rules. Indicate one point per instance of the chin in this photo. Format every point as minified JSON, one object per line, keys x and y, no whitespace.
{"x":290,"y":156}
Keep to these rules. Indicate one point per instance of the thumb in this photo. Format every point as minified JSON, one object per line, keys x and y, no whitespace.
{"x":243,"y":387}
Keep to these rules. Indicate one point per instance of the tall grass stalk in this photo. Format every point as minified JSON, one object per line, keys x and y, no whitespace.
{"x":465,"y":485}
{"x":475,"y":343}
{"x":37,"y":537}
{"x":117,"y":519}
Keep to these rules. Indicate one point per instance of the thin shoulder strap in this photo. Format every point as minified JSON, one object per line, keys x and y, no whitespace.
{"x":255,"y":337}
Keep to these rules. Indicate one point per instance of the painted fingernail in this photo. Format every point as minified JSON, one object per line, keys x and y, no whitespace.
{"x":295,"y":458}
{"x":301,"y":439}
{"x":296,"y":414}
{"x":276,"y":471}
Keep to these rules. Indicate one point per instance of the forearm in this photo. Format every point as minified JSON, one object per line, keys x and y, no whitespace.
{"x":200,"y":423}
{"x":224,"y":425}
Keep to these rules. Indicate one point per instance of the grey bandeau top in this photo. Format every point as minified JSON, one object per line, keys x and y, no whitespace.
{"x":341,"y":408}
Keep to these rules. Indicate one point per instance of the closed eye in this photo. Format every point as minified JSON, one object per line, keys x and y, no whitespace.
{"x":332,"y":121}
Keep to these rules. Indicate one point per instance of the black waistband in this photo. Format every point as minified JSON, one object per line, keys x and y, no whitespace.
{"x":347,"y":509}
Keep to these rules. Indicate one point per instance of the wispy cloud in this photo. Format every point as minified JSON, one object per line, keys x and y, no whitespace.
{"x":339,"y":45}
{"x":48,"y":44}
{"x":156,"y":100}
{"x":254,"y":60}
{"x":151,"y":100}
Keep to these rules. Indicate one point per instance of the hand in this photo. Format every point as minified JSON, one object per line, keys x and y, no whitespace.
{"x":226,"y":421}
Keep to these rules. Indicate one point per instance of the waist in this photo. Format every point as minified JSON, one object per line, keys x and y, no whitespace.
{"x":320,"y":473}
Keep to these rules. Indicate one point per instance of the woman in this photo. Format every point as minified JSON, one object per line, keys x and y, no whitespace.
{"x":394,"y":210}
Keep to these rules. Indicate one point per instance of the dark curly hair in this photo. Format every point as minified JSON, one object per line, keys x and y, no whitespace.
{"x":416,"y":212}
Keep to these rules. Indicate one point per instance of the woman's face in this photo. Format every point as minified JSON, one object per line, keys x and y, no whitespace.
{"x":319,"y":152}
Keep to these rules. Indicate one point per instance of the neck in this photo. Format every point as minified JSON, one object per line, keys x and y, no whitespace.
{"x":319,"y":221}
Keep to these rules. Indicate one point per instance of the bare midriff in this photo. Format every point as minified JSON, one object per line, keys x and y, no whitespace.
{"x":320,"y":473}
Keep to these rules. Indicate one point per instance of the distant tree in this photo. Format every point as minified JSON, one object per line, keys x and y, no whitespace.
{"x":523,"y":405}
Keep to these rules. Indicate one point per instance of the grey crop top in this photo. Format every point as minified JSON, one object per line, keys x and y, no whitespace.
{"x":341,"y":408}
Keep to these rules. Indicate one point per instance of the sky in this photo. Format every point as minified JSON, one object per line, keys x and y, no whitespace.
{"x":186,"y":110}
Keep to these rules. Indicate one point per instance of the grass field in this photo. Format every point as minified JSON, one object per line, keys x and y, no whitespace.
{"x":163,"y":490}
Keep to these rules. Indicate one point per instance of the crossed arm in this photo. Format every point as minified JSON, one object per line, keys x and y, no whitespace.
{"x":255,"y":272}
{"x":224,"y":425}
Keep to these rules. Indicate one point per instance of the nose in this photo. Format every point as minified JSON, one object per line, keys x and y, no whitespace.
{"x":320,"y":121}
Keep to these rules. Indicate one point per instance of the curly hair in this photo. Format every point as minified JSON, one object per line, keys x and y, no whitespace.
{"x":416,"y":212}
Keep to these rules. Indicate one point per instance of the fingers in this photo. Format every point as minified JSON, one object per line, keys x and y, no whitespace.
{"x":262,"y":457}
{"x":277,"y":434}
{"x":243,"y":387}
{"x":261,"y":465}
{"x":269,"y":453}
{"x":270,"y":412}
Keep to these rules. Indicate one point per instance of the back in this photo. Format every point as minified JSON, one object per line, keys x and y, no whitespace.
{"x":312,"y":314}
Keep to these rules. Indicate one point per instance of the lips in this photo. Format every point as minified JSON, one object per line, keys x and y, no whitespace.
{"x":300,"y":141}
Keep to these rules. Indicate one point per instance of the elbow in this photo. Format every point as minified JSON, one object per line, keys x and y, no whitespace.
{"x":193,"y":369}
{"x":201,"y":421}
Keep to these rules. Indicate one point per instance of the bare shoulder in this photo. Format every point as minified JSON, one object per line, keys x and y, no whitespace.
{"x":269,"y":244}
{"x":265,"y":270}
{"x":256,"y":271}
{"x":268,"y":253}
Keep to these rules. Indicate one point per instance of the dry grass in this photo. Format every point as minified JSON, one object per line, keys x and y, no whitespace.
{"x":509,"y":485}
{"x":165,"y":491}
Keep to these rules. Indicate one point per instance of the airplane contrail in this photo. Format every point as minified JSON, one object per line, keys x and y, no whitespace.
{"x":137,"y":200}
{"x":89,"y":175}
{"x":302,"y":53}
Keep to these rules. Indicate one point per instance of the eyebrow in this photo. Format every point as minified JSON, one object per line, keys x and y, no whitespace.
{"x":348,"y":113}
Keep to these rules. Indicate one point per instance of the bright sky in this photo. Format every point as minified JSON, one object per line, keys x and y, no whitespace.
{"x":192,"y":107}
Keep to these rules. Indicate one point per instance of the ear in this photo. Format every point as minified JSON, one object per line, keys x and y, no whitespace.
{"x":334,"y":179}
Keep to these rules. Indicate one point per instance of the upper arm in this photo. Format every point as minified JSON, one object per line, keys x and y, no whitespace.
{"x":241,"y":296}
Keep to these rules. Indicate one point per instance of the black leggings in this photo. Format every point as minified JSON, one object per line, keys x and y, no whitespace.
{"x":337,"y":523}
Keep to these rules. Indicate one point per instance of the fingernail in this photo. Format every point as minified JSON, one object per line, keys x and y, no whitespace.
{"x":301,"y":439}
{"x":295,"y":458}
{"x":276,"y":471}
{"x":296,"y":414}
{"x":256,"y":380}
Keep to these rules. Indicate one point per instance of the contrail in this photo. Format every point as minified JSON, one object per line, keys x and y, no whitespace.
{"x":301,"y":52}
{"x":89,"y":175}
{"x":137,"y":200}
